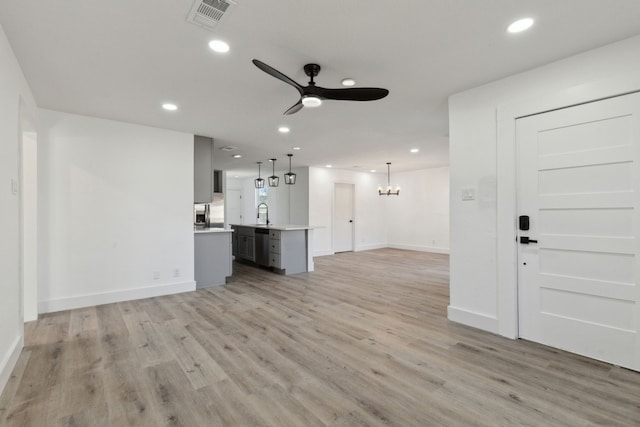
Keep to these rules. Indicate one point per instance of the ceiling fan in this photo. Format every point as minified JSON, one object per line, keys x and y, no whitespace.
{"x":312,"y":95}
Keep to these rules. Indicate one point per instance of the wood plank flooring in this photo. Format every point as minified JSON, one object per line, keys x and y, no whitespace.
{"x":363,"y":340}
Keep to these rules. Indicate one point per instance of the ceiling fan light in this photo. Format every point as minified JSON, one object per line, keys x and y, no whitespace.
{"x":311,"y":101}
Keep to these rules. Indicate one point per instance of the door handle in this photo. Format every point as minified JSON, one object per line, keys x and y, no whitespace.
{"x":524,"y":240}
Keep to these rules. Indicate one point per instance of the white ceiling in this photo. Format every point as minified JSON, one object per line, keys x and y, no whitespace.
{"x":121,"y":59}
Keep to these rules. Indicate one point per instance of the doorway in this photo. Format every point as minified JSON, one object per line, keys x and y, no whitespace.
{"x":579,"y":255}
{"x":343,"y":218}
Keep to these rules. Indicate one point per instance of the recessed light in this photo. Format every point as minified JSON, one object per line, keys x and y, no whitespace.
{"x":348,"y":82}
{"x":414,"y":150}
{"x":283,"y":129}
{"x":329,"y":166}
{"x":170,"y":107}
{"x":520,"y":25}
{"x":219,"y":46}
{"x":295,"y":148}
{"x":237,"y":156}
{"x":372,"y":171}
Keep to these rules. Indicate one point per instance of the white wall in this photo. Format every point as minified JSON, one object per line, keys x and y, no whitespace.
{"x":482,"y":235}
{"x":116,"y":204}
{"x":418,"y":219}
{"x":369,"y":209}
{"x":299,"y":197}
{"x":14,"y":90}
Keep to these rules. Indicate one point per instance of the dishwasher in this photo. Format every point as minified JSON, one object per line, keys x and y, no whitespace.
{"x":262,"y":246}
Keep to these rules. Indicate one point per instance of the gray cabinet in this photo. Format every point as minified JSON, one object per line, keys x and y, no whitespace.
{"x":234,"y":242}
{"x":288,"y":250}
{"x":284,"y":250}
{"x":246,"y":244}
{"x":203,"y":174}
{"x":212,"y":258}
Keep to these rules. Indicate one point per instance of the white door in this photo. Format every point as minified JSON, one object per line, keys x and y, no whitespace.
{"x":579,"y":182}
{"x":233,"y":202}
{"x":343,"y":218}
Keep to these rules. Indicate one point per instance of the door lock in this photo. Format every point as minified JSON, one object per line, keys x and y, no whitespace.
{"x":524,"y":240}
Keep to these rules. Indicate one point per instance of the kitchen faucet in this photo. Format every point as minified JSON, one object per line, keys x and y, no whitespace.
{"x":266,"y":209}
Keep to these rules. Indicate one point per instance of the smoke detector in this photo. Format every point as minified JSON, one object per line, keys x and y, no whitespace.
{"x":209,"y":13}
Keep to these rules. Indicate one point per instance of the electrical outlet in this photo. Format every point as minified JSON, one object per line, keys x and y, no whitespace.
{"x":156,"y":275}
{"x":176,"y":272}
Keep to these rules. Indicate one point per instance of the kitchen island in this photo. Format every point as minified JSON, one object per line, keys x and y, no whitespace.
{"x":286,"y":248}
{"x":213,"y":263}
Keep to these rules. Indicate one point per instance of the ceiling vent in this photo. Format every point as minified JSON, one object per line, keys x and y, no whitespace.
{"x":228,"y":148}
{"x":208,"y":13}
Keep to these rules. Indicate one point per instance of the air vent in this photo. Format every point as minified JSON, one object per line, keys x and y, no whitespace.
{"x":228,"y":148}
{"x":208,"y":13}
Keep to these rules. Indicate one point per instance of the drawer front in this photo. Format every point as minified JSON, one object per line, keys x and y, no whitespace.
{"x":274,"y":234}
{"x":274,"y":246}
{"x":274,"y":260}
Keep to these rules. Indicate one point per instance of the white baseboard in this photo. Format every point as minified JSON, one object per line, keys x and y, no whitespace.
{"x":370,"y":247}
{"x":470,"y":318}
{"x":88,"y":300}
{"x":9,"y":361}
{"x":419,"y":248}
{"x":323,"y":253}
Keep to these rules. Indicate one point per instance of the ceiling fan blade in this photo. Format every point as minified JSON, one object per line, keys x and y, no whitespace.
{"x":353,"y":94}
{"x":294,"y":108}
{"x":277,"y":74}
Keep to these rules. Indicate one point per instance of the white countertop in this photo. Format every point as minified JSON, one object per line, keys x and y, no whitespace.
{"x":281,"y":227}
{"x":212,"y":230}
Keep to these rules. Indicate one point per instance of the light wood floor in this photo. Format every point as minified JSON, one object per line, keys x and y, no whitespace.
{"x":363,"y":340}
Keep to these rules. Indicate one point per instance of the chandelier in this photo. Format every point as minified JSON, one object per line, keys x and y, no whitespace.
{"x":273,"y":179}
{"x":259,"y":182}
{"x":388,"y":192}
{"x":290,"y":177}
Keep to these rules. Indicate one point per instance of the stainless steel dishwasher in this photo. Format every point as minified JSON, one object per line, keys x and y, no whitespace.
{"x":262,"y":246}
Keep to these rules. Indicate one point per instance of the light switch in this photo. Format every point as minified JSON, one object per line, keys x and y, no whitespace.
{"x":468,"y":194}
{"x":14,"y":186}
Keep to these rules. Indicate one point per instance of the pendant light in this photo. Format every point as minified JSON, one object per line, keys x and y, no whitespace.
{"x":259,"y":182}
{"x":290,"y":177}
{"x":273,"y":179}
{"x":388,"y":192}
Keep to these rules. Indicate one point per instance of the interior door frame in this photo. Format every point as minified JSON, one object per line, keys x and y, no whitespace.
{"x":506,"y":323}
{"x":353,"y":215}
{"x":28,"y":201}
